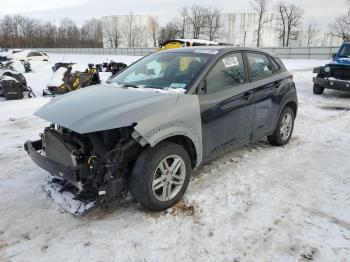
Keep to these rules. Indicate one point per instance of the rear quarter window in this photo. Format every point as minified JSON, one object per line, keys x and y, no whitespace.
{"x":260,"y":66}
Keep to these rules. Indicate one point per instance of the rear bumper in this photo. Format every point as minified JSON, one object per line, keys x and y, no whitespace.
{"x":335,"y":84}
{"x":69,"y":173}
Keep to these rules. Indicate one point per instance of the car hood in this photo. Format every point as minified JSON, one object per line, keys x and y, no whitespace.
{"x":342,"y":61}
{"x":104,"y":107}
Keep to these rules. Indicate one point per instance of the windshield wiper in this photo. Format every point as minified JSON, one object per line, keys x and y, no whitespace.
{"x":130,"y":85}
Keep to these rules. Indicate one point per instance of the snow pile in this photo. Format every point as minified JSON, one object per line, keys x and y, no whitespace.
{"x":258,"y":203}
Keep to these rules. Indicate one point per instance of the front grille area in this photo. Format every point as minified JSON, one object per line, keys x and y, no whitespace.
{"x":338,"y":72}
{"x":56,"y":149}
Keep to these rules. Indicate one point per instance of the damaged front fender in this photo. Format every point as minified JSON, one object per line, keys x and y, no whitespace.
{"x":154,"y":116}
{"x":182,"y":119}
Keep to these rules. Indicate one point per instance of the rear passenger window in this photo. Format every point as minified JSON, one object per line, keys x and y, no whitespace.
{"x":227,"y":73}
{"x":260,"y":66}
{"x":275,"y":65}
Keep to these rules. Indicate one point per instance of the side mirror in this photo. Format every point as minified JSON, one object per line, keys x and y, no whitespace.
{"x":202,"y":89}
{"x":334,"y":55}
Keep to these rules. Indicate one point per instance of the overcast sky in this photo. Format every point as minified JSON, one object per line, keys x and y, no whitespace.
{"x":321,"y":11}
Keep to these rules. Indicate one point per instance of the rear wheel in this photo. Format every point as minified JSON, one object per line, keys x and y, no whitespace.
{"x":160,"y":176}
{"x":318,"y":90}
{"x":284,"y":128}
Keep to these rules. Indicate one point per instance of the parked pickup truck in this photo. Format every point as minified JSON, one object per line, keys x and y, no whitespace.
{"x":336,"y":74}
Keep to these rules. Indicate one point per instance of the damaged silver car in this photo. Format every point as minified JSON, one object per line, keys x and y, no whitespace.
{"x":162,"y":117}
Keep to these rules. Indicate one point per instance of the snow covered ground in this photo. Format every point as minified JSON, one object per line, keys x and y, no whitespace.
{"x":259,"y":203}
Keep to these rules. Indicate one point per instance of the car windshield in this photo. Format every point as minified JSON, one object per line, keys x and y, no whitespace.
{"x":345,"y":51}
{"x":164,"y":70}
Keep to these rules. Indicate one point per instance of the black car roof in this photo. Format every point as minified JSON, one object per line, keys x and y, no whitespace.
{"x":220,"y":49}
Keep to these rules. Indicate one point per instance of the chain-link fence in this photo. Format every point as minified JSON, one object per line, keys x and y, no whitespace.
{"x":303,"y":52}
{"x":100,"y":51}
{"x":282,"y":52}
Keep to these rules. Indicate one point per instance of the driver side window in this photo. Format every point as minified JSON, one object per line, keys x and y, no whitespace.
{"x":227,"y":73}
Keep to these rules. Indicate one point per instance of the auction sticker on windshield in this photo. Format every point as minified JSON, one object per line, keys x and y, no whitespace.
{"x":230,"y":61}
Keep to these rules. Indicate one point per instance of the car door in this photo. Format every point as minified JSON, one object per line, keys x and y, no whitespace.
{"x":226,"y":104}
{"x":263,"y":72}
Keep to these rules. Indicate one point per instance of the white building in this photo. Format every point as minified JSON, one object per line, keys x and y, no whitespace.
{"x":327,"y":39}
{"x":240,"y":29}
{"x":126,"y":31}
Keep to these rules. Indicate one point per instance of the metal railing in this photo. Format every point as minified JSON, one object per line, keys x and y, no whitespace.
{"x":302,"y":52}
{"x":100,"y":51}
{"x":282,"y":52}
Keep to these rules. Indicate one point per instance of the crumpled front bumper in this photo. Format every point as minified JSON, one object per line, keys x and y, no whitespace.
{"x":335,"y":84}
{"x":71,"y":174}
{"x":74,"y":175}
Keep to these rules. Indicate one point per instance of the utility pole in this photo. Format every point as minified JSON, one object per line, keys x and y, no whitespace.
{"x":245,"y":36}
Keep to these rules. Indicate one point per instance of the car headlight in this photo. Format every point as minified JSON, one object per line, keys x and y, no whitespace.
{"x":327,"y":69}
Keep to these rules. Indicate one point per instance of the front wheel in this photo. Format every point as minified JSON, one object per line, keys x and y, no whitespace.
{"x":284,"y":128}
{"x":160,"y":176}
{"x":318,"y":90}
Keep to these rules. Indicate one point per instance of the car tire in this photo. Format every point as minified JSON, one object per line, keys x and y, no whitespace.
{"x":318,"y":90}
{"x":154,"y":186}
{"x":284,"y":129}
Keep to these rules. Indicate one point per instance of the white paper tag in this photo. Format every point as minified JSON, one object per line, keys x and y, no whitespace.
{"x":230,"y":61}
{"x":177,"y":85}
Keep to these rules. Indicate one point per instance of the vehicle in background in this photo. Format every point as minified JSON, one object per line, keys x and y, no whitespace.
{"x":7,"y":64}
{"x":334,"y":75}
{"x":15,"y":51}
{"x":159,"y":119}
{"x":32,"y":56}
{"x":13,"y":85}
{"x":111,"y":66}
{"x":178,"y":43}
{"x":63,"y":80}
{"x":115,"y":67}
{"x":27,"y":67}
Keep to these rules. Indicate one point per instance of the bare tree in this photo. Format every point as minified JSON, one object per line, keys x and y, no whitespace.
{"x":196,"y":16}
{"x":112,"y":31}
{"x":213,"y":23}
{"x":19,"y":31}
{"x":311,"y":33}
{"x":131,"y":30}
{"x":153,"y":28}
{"x":290,"y":17}
{"x":341,"y":27}
{"x":91,"y":33}
{"x":260,"y":7}
{"x":182,"y":22}
{"x":168,"y":32}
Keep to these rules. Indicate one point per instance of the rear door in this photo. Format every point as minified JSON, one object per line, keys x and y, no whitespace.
{"x":266,"y":80}
{"x":227,"y":108}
